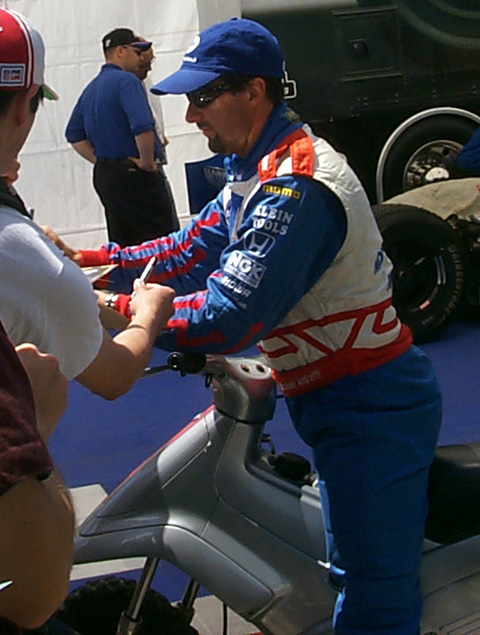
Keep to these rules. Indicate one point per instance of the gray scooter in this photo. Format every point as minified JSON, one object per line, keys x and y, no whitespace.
{"x":217,"y":502}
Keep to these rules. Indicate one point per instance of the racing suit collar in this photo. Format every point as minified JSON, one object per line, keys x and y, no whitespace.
{"x":281,"y":122}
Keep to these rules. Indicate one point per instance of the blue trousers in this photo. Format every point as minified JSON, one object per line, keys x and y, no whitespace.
{"x":373,"y":437}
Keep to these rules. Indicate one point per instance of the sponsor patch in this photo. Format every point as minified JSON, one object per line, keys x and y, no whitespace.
{"x":281,"y":191}
{"x":258,"y":243}
{"x":272,"y":219}
{"x":238,"y":288}
{"x":12,"y":74}
{"x":240,"y":266}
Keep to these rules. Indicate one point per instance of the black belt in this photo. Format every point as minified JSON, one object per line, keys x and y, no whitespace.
{"x":119,"y":161}
{"x":124,"y":161}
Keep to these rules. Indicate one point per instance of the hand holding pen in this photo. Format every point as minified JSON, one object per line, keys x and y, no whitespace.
{"x":153,"y":299}
{"x":146,"y":273}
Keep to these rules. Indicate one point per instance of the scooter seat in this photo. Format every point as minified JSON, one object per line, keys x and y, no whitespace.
{"x":454,"y":494}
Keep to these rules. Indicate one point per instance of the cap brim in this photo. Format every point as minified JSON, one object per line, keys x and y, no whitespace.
{"x":141,"y":45}
{"x":48,"y":93}
{"x":184,"y":81}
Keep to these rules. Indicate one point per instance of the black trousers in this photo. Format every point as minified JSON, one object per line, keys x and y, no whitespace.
{"x":52,"y":627}
{"x":138,"y":205}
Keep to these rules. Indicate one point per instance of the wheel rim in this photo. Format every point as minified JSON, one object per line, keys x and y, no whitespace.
{"x":432,"y":162}
{"x":418,"y":278}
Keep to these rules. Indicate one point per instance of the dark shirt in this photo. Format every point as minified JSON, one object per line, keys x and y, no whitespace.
{"x":7,"y":628}
{"x":22,"y":450}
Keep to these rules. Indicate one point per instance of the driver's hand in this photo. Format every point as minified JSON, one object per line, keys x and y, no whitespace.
{"x":56,"y":240}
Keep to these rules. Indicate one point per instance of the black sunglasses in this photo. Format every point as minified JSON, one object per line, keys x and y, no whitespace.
{"x":137,"y":50}
{"x":205,"y":96}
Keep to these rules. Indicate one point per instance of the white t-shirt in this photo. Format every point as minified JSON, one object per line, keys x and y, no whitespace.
{"x":45,"y":299}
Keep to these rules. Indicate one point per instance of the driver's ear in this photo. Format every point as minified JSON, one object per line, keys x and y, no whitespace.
{"x":257,"y":89}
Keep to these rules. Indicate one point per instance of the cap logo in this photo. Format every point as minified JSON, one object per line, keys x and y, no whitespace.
{"x":12,"y":74}
{"x":193,"y":45}
{"x":236,"y":46}
{"x":108,"y":42}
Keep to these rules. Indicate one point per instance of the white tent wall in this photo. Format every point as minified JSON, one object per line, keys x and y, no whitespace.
{"x":54,"y":180}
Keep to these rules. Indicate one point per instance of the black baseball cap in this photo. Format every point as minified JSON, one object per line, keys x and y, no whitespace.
{"x":120,"y":37}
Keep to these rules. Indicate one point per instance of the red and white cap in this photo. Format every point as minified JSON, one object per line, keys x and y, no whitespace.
{"x":22,"y":54}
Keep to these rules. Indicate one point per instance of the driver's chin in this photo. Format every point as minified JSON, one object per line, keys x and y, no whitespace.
{"x":215,"y":145}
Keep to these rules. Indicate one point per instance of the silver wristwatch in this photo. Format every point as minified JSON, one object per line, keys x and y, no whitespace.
{"x":110,"y":300}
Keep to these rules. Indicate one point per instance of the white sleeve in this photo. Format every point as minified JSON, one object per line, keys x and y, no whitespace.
{"x":45,"y":298}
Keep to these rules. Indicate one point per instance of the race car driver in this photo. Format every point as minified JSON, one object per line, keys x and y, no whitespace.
{"x":289,"y":256}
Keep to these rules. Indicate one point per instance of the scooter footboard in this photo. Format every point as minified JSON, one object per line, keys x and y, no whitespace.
{"x":450,"y":578}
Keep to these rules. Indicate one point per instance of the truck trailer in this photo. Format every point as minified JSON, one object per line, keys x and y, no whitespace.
{"x":392,"y":84}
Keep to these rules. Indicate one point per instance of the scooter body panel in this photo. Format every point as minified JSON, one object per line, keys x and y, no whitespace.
{"x":249,"y":485}
{"x":253,"y":562}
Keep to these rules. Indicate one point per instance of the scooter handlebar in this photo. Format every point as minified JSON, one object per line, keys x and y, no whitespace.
{"x":187,"y":363}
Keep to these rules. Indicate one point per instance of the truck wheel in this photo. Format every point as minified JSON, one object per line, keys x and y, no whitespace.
{"x":95,"y":609}
{"x":424,"y":153}
{"x":429,"y":278}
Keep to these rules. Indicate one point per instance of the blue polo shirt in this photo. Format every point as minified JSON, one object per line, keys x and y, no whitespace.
{"x":111,"y":111}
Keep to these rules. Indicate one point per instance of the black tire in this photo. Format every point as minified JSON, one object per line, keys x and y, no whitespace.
{"x":95,"y":609}
{"x":425,"y":152}
{"x":429,"y":272}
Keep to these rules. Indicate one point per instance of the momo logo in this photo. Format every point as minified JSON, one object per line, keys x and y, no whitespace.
{"x":258,"y":243}
{"x":240,"y":266}
{"x":281,"y":191}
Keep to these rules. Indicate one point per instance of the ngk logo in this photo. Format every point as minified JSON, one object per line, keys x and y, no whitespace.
{"x":244,"y":268}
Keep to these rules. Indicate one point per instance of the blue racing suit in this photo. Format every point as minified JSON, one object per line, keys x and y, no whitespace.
{"x":289,"y":256}
{"x":468,"y":158}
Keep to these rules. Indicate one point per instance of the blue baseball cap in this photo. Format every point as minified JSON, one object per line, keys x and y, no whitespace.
{"x":235,"y":47}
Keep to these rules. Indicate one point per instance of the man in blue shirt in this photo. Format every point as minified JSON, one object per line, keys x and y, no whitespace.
{"x":112,"y":126}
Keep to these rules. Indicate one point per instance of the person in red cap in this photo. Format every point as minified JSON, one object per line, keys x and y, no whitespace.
{"x":289,"y":257}
{"x":37,"y":519}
